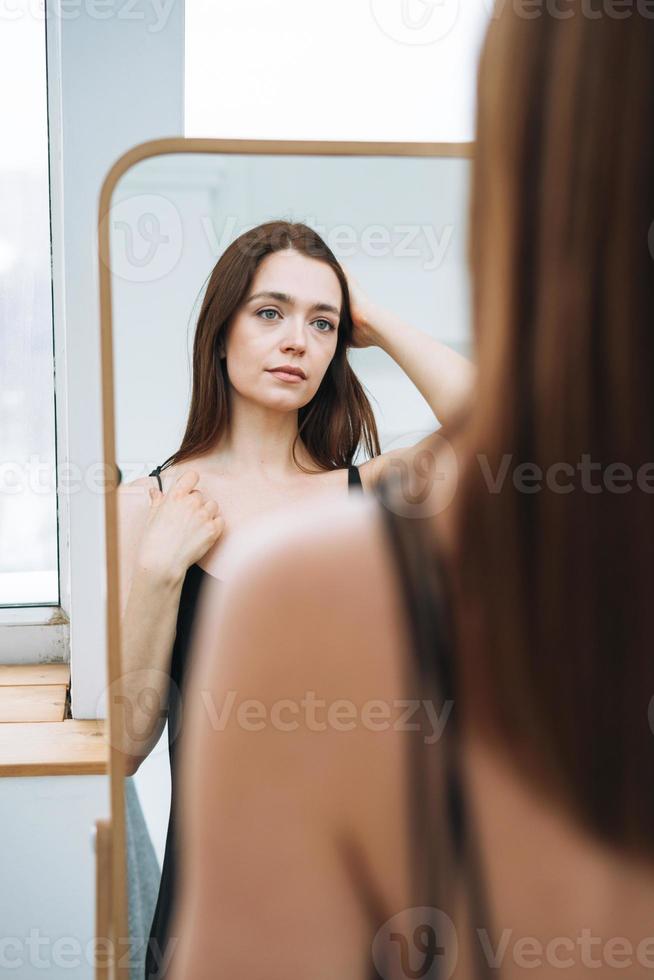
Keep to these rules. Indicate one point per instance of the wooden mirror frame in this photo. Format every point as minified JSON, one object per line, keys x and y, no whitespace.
{"x":112,"y":894}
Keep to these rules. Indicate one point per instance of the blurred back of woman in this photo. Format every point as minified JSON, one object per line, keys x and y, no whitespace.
{"x":554,"y":571}
{"x":549,"y":557}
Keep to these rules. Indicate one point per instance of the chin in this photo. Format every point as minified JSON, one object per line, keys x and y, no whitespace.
{"x":287,"y":400}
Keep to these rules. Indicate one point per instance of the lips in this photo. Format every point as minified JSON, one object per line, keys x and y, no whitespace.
{"x":289,"y":372}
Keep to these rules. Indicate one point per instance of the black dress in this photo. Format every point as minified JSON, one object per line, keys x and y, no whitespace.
{"x":156,"y":959}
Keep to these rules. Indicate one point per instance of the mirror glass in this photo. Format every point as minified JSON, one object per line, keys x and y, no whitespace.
{"x":397,"y":224}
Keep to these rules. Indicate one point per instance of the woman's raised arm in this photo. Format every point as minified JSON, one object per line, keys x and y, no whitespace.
{"x":442,"y":376}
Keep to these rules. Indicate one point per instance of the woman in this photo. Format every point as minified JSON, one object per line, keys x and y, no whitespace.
{"x":256,"y":438}
{"x":527,"y":845}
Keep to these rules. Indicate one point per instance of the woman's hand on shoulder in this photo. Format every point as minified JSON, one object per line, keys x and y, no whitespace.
{"x":182,"y":524}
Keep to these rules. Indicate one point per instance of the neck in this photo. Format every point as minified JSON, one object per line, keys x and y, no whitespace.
{"x":260,"y":440}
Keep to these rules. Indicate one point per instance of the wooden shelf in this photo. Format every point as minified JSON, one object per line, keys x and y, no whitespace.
{"x":36,"y":739}
{"x":43,"y":702}
{"x":60,"y":748}
{"x":33,"y":692}
{"x":17,"y":675}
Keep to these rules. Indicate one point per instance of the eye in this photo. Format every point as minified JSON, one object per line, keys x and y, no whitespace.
{"x":328,"y":326}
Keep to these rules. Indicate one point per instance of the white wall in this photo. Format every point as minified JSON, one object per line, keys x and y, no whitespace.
{"x":343,"y":69}
{"x":47,"y":897}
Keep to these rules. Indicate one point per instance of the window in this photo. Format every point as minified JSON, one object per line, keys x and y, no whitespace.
{"x":28,"y":501}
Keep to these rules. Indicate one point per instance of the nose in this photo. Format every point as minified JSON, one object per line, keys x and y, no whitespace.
{"x":294,"y":335}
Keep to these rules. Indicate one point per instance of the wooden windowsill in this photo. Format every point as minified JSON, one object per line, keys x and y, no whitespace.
{"x":36,"y":737}
{"x":33,"y":692}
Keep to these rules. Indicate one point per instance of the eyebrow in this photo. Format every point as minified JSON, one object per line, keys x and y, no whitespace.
{"x":285,"y":298}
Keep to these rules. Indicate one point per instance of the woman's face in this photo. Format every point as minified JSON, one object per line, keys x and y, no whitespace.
{"x":289,"y":316}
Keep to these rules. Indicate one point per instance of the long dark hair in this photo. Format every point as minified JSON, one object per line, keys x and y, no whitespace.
{"x":339,"y":416}
{"x":554,"y":589}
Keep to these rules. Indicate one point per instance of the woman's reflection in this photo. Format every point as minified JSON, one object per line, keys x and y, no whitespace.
{"x":277,"y":414}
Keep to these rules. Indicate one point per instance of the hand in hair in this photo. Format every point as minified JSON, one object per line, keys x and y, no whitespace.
{"x":364,"y":314}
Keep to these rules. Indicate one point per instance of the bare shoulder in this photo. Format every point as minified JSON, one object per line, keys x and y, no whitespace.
{"x":133,"y":505}
{"x":135,"y":487}
{"x":132,"y":497}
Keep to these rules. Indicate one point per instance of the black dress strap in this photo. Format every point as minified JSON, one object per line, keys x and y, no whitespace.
{"x":437,"y":783}
{"x":155,"y":472}
{"x":354,"y":478}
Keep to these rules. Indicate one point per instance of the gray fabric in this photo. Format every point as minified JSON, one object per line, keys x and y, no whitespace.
{"x":143,"y":877}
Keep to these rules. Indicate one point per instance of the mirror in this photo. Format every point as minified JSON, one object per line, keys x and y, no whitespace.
{"x":395,"y":215}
